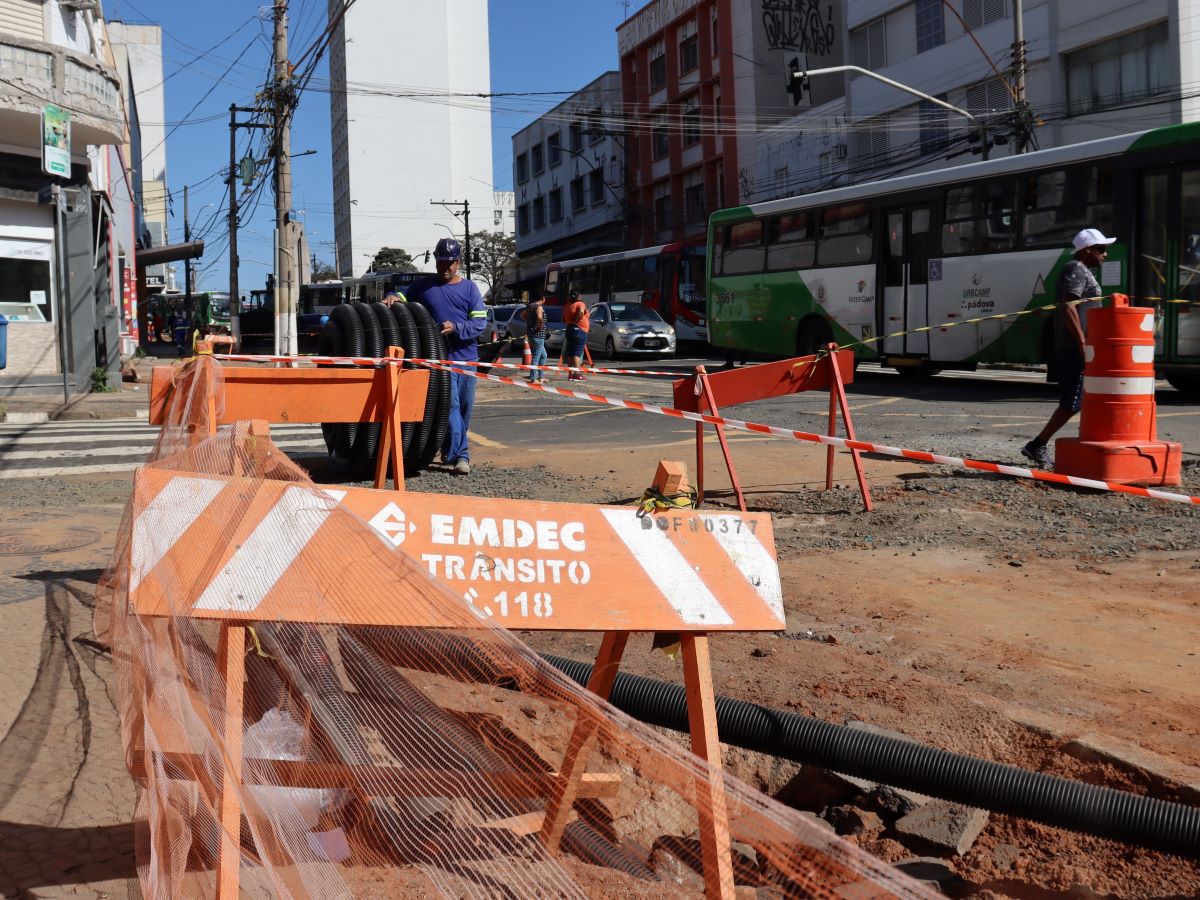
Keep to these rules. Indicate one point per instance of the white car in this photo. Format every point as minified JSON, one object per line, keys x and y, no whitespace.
{"x":629,"y":329}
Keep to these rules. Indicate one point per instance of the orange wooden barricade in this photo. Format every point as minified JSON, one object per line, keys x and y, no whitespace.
{"x":389,"y":395}
{"x":706,"y":391}
{"x":602,"y":569}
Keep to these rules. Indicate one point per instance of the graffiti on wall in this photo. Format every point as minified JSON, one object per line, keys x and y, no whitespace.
{"x":799,"y":25}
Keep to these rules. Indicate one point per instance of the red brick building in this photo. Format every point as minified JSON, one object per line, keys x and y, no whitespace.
{"x":677,"y":68}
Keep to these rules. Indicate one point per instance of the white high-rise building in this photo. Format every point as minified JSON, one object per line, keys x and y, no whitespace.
{"x":403,"y":133}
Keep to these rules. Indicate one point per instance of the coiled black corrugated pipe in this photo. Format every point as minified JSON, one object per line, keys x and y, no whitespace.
{"x":1072,"y":805}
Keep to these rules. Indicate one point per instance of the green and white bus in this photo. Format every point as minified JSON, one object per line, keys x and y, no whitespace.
{"x":932,"y":249}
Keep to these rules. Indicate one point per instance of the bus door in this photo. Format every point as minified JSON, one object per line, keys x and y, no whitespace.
{"x":905,"y":280}
{"x":1168,"y":259}
{"x":1184,"y":338}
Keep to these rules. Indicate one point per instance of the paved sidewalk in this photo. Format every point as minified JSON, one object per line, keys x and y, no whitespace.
{"x":129,"y":402}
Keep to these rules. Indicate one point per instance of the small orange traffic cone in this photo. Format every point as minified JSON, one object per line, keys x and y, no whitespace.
{"x":527,"y":357}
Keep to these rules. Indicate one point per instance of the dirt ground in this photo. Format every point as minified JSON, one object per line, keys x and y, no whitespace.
{"x":994,"y":617}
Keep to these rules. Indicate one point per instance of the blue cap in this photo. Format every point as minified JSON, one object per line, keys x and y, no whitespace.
{"x":447,"y":250}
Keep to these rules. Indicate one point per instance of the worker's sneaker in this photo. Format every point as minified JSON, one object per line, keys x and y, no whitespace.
{"x":461,"y":467}
{"x":1039,"y":454}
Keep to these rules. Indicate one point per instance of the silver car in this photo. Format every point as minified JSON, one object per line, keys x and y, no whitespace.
{"x":517,"y":327}
{"x":629,"y":329}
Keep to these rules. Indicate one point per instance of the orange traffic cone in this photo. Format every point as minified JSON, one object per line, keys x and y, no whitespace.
{"x":527,"y":356}
{"x":1118,"y":438}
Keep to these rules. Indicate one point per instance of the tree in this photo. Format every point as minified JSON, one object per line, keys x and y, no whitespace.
{"x":323,"y":271}
{"x":392,"y":259}
{"x":491,"y":252}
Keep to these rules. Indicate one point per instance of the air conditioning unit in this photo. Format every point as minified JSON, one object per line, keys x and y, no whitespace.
{"x":839,"y":151}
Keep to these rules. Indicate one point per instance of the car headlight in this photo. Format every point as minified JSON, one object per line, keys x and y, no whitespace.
{"x":670,"y":330}
{"x":622,"y":330}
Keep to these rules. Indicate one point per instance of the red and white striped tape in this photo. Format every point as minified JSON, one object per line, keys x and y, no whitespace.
{"x":865,"y":446}
{"x":369,"y":362}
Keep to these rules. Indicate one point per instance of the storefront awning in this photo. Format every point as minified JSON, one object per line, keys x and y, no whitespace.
{"x":169,"y":253}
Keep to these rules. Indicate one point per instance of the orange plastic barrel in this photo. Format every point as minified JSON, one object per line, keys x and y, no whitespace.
{"x":1118,"y":375}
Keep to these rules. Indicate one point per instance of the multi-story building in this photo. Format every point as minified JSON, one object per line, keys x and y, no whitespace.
{"x":393,"y":154}
{"x":568,"y":177}
{"x":1092,"y":71}
{"x":699,"y":80}
{"x":66,"y":224}
{"x":139,"y":54}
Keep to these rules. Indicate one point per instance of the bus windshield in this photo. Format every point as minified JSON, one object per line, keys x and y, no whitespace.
{"x":691,"y":278}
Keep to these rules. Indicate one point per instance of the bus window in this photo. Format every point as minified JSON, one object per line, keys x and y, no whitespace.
{"x":979,"y":218}
{"x":587,"y":280}
{"x":691,"y":278}
{"x":1061,"y":202}
{"x":742,"y":253}
{"x":845,"y":235}
{"x":790,"y":243}
{"x":551,"y":282}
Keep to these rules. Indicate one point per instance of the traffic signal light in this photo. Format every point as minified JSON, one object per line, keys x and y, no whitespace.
{"x":797,"y":81}
{"x":426,"y":257}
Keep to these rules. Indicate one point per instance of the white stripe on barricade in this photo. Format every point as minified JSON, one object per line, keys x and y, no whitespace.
{"x":1099,"y":384}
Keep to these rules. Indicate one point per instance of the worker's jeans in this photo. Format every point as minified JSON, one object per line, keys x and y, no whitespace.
{"x":462,"y":402}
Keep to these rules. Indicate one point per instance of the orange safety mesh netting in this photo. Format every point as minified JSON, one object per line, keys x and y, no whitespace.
{"x":420,"y":759}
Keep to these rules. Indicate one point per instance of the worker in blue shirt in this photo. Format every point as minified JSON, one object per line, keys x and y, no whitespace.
{"x":456,"y":303}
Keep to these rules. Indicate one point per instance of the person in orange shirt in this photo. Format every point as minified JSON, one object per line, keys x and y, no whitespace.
{"x":578,"y":322}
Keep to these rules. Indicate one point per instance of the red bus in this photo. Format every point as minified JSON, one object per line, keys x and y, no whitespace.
{"x":669,"y":278}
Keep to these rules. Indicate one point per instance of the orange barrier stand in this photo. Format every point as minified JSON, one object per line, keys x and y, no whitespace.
{"x":389,"y":395}
{"x":831,"y":371}
{"x":1118,"y":440}
{"x":611,"y":571}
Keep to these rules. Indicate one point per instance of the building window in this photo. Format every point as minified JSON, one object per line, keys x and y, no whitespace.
{"x":1131,"y":67}
{"x":659,"y":140}
{"x":25,"y":283}
{"x":689,"y":119}
{"x":662,"y":210}
{"x":987,"y":97}
{"x":596,"y":187}
{"x":658,"y":66}
{"x":977,"y":13}
{"x":539,"y":212}
{"x":931,"y":26}
{"x":935,"y":128}
{"x":689,"y":47}
{"x":694,"y":211}
{"x":523,"y":219}
{"x":868,"y":45}
{"x":578,"y":201}
{"x":497,"y":218}
{"x":522,"y":168}
{"x":539,"y":158}
{"x":595,"y":126}
{"x":575,"y":137}
{"x":556,"y":210}
{"x":554,"y":148}
{"x":871,"y":141}
{"x":716,"y":43}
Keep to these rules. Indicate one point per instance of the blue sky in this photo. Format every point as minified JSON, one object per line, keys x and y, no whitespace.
{"x":543,"y":45}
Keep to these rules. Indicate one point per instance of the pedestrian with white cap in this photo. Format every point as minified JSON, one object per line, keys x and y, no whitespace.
{"x":1078,"y":290}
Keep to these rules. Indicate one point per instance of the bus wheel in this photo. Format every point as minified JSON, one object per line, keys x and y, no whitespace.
{"x":610,"y":350}
{"x":813,"y":336}
{"x":1184,"y":382}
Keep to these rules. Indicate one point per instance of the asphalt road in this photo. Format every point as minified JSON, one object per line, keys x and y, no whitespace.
{"x":986,"y":414}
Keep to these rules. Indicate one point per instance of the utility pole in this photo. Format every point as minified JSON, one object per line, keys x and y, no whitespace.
{"x":187,"y":262}
{"x":286,"y":264}
{"x":1024,"y":116}
{"x":466,"y":214}
{"x":235,"y":302}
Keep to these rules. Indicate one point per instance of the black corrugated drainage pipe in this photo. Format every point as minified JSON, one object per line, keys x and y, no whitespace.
{"x":1084,"y":808}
